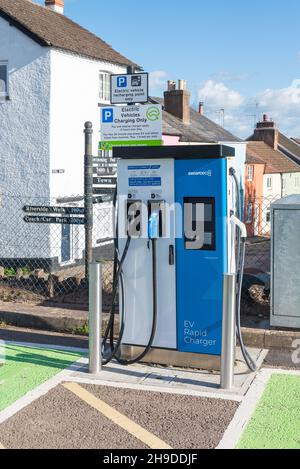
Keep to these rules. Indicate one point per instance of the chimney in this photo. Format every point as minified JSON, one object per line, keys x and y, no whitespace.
{"x":201,"y":108}
{"x":55,"y":5}
{"x":266,"y":131}
{"x":177,"y":102}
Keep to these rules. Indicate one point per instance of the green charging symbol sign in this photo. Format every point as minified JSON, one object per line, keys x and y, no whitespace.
{"x":153,"y":114}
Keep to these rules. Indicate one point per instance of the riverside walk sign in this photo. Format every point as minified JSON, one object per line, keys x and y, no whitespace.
{"x":58,"y":215}
{"x":130,"y":125}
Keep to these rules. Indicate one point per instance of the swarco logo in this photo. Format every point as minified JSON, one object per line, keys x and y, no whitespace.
{"x":153,"y":114}
{"x":200,"y":173}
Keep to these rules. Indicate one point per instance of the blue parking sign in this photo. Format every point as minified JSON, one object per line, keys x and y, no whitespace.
{"x":121,"y":82}
{"x":107,"y":115}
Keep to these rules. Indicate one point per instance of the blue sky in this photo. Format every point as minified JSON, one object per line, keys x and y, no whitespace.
{"x":233,"y":53}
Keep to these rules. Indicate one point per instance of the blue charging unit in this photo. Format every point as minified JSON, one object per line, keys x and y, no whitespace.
{"x":190,"y":271}
{"x":199,"y":272}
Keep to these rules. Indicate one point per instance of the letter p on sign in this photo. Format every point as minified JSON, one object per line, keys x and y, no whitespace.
{"x":121,"y":82}
{"x":107,"y":115}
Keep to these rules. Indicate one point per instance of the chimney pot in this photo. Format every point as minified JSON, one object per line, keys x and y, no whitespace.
{"x":201,"y":108}
{"x":171,"y":85}
{"x":182,"y":85}
{"x":55,"y":5}
{"x":265,"y":117}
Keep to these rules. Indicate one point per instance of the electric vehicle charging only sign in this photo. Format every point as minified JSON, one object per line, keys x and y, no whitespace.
{"x":130,"y":125}
{"x":129,"y":89}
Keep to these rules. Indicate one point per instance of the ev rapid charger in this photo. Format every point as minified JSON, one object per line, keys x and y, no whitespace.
{"x":187,"y":193}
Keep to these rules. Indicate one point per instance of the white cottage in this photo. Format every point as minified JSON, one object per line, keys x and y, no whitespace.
{"x":54,"y":74}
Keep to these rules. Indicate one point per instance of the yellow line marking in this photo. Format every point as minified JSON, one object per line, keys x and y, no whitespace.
{"x":119,"y":419}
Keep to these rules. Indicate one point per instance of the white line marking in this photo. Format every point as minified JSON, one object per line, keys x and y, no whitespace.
{"x":134,"y":429}
{"x":245,"y":411}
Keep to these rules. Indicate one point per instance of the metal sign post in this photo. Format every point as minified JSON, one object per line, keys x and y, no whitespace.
{"x":228,"y":333}
{"x":88,"y":194}
{"x":95,"y":322}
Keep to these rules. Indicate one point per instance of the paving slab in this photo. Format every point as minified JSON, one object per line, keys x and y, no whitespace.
{"x":176,"y":378}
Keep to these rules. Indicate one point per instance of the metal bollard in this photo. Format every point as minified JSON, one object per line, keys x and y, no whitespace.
{"x":228,"y":332}
{"x":95,"y":313}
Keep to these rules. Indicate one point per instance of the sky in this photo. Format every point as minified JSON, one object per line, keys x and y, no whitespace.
{"x":242,"y":56}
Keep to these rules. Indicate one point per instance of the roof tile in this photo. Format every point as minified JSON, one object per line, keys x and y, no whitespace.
{"x":54,"y":29}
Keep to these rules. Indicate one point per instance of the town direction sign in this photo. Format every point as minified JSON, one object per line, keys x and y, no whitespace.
{"x":103,"y":181}
{"x":129,"y":89}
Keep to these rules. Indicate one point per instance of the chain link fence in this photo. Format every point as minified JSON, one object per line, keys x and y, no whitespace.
{"x":256,"y":287}
{"x":43,"y":263}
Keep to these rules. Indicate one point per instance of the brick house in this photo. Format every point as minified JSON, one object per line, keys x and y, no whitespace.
{"x":271,"y":172}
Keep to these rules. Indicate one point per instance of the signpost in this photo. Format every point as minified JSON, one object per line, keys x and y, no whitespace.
{"x":131,"y":125}
{"x":103,"y":181}
{"x":53,"y":210}
{"x":129,"y":88}
{"x":103,"y":190}
{"x":54,"y":220}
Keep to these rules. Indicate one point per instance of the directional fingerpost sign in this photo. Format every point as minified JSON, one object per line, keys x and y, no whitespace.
{"x":43,"y":217}
{"x":54,"y":220}
{"x":53,"y":210}
{"x":129,"y":89}
{"x":102,"y":181}
{"x":103,"y":190}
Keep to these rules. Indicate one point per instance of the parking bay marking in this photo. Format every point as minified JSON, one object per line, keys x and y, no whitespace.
{"x":116,"y":417}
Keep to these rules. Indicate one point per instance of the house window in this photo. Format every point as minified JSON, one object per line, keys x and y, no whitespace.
{"x":268,"y":215}
{"x":250,"y":173}
{"x":3,"y":79}
{"x":297,"y":182}
{"x":249,"y":212}
{"x":104,"y":81}
{"x":269,"y":182}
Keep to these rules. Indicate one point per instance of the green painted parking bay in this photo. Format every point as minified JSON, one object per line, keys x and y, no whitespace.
{"x":276,"y":420}
{"x":25,"y":368}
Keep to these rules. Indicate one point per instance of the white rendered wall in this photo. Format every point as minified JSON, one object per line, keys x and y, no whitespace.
{"x":24,"y":142}
{"x":75,"y":99}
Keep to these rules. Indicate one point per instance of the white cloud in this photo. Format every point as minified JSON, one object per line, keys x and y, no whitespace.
{"x":217,"y":95}
{"x":282,"y":105}
{"x":157,"y":79}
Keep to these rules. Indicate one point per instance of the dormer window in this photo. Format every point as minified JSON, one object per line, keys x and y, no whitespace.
{"x":3,"y":79}
{"x":104,"y":93}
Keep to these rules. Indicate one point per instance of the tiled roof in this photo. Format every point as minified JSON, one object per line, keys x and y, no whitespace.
{"x":52,"y":29}
{"x":275,"y":161}
{"x":201,"y":129}
{"x":289,"y":147}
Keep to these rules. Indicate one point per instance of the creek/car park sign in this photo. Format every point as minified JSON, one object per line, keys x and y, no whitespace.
{"x":130,"y":125}
{"x":129,"y":89}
